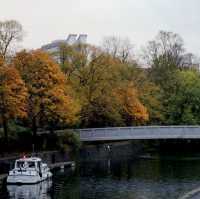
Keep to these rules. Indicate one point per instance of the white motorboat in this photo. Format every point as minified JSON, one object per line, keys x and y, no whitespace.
{"x":29,"y":171}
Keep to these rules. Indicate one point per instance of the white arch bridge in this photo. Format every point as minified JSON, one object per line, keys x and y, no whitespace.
{"x":139,"y":133}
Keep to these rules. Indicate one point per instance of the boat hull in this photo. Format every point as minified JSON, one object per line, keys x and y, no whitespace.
{"x":26,"y":179}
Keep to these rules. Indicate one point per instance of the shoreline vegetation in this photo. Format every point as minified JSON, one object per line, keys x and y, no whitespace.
{"x":83,"y":86}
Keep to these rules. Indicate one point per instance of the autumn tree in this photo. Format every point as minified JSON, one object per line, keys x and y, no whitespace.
{"x":94,"y":83}
{"x":110,"y":99}
{"x":11,"y":32}
{"x":13,"y":96}
{"x":133,"y":111}
{"x":96,"y":75}
{"x":148,"y":92}
{"x":50,"y":100}
{"x":73,"y":57}
{"x":88,"y":71}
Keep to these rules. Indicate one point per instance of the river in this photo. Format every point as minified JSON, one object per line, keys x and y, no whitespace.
{"x":147,"y":177}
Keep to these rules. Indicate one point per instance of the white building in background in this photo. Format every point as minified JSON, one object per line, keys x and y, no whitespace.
{"x":72,"y":39}
{"x":82,"y":38}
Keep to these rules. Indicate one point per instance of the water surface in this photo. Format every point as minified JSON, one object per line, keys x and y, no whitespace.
{"x":160,"y":177}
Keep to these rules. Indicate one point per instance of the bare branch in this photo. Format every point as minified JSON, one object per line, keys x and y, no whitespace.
{"x":118,"y":48}
{"x":10,"y":32}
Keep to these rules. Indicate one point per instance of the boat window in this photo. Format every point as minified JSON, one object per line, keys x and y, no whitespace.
{"x":20,"y":164}
{"x":31,"y":164}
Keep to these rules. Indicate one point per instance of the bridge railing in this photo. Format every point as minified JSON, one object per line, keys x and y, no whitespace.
{"x":142,"y":132}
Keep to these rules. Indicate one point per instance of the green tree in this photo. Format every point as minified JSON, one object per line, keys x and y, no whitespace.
{"x":184,"y":105}
{"x":165,"y":56}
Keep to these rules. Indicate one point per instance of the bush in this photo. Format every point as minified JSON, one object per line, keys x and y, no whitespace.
{"x":69,"y":139}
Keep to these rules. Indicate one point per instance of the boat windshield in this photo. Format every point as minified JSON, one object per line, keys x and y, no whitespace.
{"x":31,"y":164}
{"x":20,"y":164}
{"x":25,"y":164}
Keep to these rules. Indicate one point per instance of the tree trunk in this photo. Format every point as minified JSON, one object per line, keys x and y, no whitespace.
{"x":5,"y":128}
{"x":34,"y":130}
{"x":51,"y":127}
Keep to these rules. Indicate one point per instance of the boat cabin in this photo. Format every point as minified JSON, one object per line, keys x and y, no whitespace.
{"x":24,"y":163}
{"x":28,"y":171}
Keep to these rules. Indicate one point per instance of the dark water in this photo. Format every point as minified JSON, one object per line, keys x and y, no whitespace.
{"x":165,"y":177}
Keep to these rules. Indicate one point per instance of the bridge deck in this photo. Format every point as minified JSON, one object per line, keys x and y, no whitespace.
{"x":140,"y":133}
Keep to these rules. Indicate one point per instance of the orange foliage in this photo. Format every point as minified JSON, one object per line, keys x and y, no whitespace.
{"x":13,"y":94}
{"x":131,"y":105}
{"x":49,"y":98}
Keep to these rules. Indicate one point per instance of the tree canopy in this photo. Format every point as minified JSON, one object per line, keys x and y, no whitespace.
{"x":184,"y":105}
{"x":83,"y":85}
{"x":13,"y":96}
{"x":49,"y":98}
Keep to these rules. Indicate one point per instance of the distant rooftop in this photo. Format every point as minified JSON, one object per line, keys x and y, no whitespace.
{"x":71,"y":40}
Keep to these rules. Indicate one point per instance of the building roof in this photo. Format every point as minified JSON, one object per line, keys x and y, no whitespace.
{"x":71,"y":39}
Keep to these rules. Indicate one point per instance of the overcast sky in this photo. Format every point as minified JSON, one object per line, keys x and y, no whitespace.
{"x":140,"y":20}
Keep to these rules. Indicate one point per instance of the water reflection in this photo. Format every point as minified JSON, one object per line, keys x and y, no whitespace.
{"x":35,"y":191}
{"x":159,"y":178}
